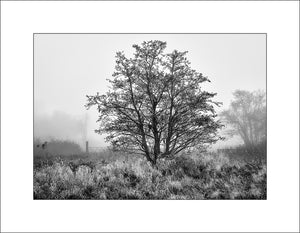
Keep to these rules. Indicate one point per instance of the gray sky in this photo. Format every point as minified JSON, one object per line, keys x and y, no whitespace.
{"x":67,"y":67}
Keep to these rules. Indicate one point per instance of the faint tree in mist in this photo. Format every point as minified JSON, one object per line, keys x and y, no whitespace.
{"x":247,"y":115}
{"x":155,"y":106}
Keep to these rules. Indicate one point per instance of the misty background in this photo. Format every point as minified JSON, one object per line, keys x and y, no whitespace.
{"x":67,"y":67}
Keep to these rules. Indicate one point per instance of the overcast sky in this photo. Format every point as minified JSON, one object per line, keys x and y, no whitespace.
{"x":67,"y":67}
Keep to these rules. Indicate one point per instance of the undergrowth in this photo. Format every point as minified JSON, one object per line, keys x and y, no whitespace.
{"x":187,"y":177}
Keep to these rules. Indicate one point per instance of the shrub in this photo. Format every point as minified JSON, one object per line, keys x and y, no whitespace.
{"x":245,"y":153}
{"x":57,"y":147}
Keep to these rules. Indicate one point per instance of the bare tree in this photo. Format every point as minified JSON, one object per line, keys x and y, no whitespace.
{"x":155,"y":105}
{"x":248,"y":116}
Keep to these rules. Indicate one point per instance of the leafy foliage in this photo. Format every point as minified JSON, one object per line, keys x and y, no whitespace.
{"x":155,"y":105}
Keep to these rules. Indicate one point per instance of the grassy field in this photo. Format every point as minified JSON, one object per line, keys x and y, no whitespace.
{"x":110,"y":176}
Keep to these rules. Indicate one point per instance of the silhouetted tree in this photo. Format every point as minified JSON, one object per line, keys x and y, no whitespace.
{"x":155,"y":105}
{"x":248,"y":116}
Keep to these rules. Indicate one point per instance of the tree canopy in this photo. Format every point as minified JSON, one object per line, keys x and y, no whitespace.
{"x":248,"y":116}
{"x":156,"y":106}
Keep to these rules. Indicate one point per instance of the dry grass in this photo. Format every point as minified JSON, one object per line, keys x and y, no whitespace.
{"x":196,"y":177}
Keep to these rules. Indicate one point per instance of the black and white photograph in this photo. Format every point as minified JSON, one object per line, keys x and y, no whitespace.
{"x":150,"y":116}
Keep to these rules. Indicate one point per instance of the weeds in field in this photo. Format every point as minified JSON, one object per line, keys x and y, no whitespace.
{"x":196,"y":177}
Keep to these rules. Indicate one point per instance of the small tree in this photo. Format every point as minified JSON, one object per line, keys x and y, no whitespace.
{"x":248,"y":116}
{"x":155,"y":105}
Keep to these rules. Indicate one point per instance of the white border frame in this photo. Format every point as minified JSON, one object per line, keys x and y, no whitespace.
{"x":19,"y":212}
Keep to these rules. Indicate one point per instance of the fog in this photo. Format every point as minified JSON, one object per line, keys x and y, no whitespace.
{"x":63,"y":126}
{"x":67,"y":67}
{"x":59,"y":125}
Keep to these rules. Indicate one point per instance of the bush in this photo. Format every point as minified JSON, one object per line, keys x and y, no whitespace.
{"x":57,"y":147}
{"x":246,"y":153}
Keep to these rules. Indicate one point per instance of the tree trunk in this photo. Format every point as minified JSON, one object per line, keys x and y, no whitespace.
{"x":154,"y":163}
{"x":156,"y":149}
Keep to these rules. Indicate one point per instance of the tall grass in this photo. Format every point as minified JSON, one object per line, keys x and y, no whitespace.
{"x":207,"y":176}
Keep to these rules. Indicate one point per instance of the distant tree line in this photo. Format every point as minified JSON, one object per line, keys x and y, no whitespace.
{"x":56,"y":147}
